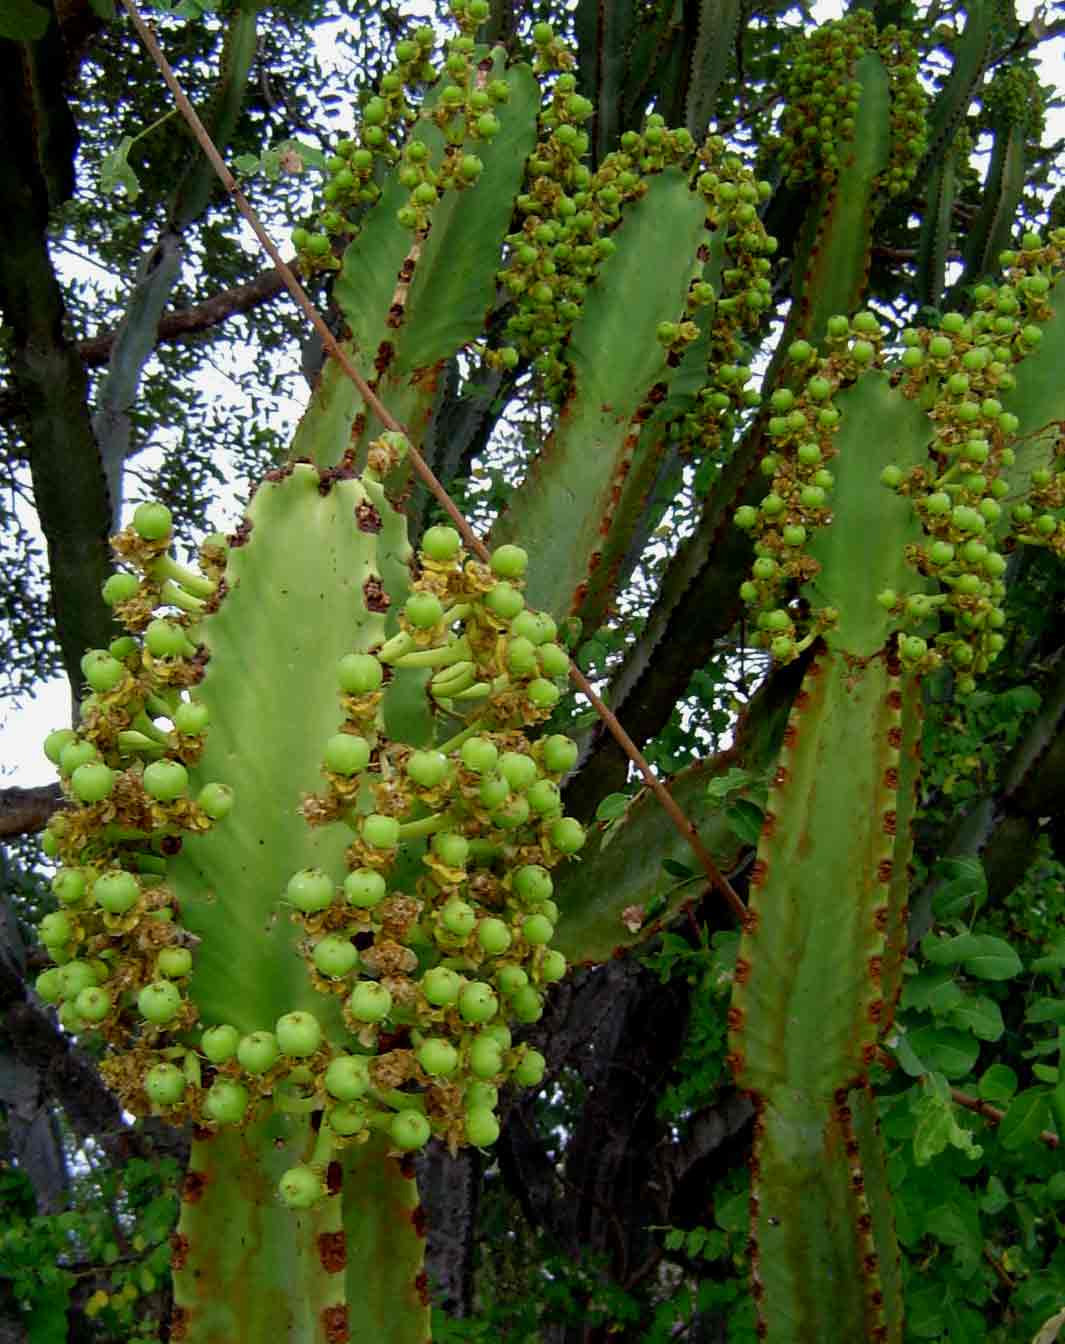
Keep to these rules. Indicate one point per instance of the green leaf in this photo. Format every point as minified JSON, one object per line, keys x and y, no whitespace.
{"x":612,"y":807}
{"x":677,"y":869}
{"x":246,"y":164}
{"x":1027,"y":1116}
{"x":23,"y":21}
{"x":947,"y":1051}
{"x":1053,"y":959}
{"x":937,"y":1126}
{"x":907,"y":1056}
{"x":730,"y":782}
{"x":997,"y":1084}
{"x":932,"y":985}
{"x":745,"y":819}
{"x":981,"y":954}
{"x":996,"y":1198}
{"x":1046,"y":1010}
{"x":979,"y":1015}
{"x":116,"y":173}
{"x":964,"y":883}
{"x":104,"y":8}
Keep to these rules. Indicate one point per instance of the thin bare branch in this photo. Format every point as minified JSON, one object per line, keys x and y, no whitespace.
{"x":24,"y":811}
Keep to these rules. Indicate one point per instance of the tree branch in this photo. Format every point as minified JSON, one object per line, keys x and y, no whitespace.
{"x":24,"y":811}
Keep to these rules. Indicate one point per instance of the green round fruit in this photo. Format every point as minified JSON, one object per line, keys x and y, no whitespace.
{"x":537,"y":930}
{"x":532,"y":884}
{"x":504,"y":601}
{"x":93,"y":1003}
{"x":553,"y":967}
{"x":441,"y":544}
{"x":166,"y":781}
{"x":226,"y":1102}
{"x":359,"y":673}
{"x":451,"y":849}
{"x":191,"y":718}
{"x":347,"y":1119}
{"x":347,"y":1078}
{"x":335,"y":957}
{"x":220,"y":1043}
{"x":510,"y":979}
{"x":151,"y":522}
{"x":526,"y":1005}
{"x":101,"y":671}
{"x":409,"y":1130}
{"x":512,"y":814}
{"x":258,"y":1052}
{"x":535,"y":626}
{"x":300,"y":1188}
{"x":298,"y":1034}
{"x":159,"y":1002}
{"x":120,"y":587}
{"x":69,"y":885}
{"x":441,"y":986}
{"x":164,"y":1085}
{"x":427,"y":768}
{"x":346,"y":754}
{"x":518,"y":770}
{"x":423,"y":610}
{"x":173,"y":962}
{"x":123,"y":648}
{"x":216,"y":800}
{"x":165,"y":639}
{"x":92,"y":783}
{"x":49,"y":986}
{"x":509,"y":562}
{"x":543,"y":694}
{"x":458,"y":918}
{"x":479,"y":754}
{"x":486,"y":1057}
{"x":482,"y":1127}
{"x":559,"y":754}
{"x":380,"y":832}
{"x":554,"y":660}
{"x":493,"y":936}
{"x":310,"y":891}
{"x":544,"y":798}
{"x":370,"y":1002}
{"x":477,"y":1002}
{"x":55,"y":743}
{"x":567,"y":835}
{"x":365,"y":888}
{"x":438,"y":1057}
{"x":493,"y":792}
{"x":55,"y":930}
{"x":521,"y":658}
{"x":530,"y":1069}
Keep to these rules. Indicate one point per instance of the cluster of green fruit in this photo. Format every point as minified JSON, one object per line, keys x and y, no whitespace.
{"x":438,"y":938}
{"x":121,"y":957}
{"x":823,"y":95}
{"x":733,"y":196}
{"x":964,"y":368}
{"x":800,"y":427}
{"x":569,"y":212}
{"x":1014,"y":97}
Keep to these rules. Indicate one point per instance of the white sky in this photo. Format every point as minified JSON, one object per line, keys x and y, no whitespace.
{"x":23,"y":726}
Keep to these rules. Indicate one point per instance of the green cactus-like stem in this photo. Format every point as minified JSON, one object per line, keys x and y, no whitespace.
{"x":247,"y":1269}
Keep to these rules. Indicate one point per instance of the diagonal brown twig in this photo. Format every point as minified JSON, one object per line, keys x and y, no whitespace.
{"x":717,"y":879}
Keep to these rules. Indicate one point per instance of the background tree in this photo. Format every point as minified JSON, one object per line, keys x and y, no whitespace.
{"x":599,"y":1215}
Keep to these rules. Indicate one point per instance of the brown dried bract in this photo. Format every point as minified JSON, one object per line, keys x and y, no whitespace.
{"x":332,"y":1251}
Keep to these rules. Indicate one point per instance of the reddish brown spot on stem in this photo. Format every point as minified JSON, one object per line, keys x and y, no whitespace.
{"x":891,"y":778}
{"x":743,"y":970}
{"x":734,"y":1018}
{"x":865,"y":1224}
{"x":179,"y":1250}
{"x":894,"y":699}
{"x":385,"y":350}
{"x":769,"y":825}
{"x":759,"y":873}
{"x":890,"y":823}
{"x":406,"y":1166}
{"x":421,"y":1287}
{"x":782,"y":776}
{"x":374,"y":595}
{"x":876,"y":1010}
{"x":367,"y":519}
{"x":871,"y":1263}
{"x":179,"y":1322}
{"x":420,"y":1220}
{"x":802,"y":700}
{"x":876,"y":967}
{"x":241,"y":535}
{"x":894,"y":737}
{"x":332,"y":1251}
{"x":193,"y":1186}
{"x":791,"y":735}
{"x":335,"y":1325}
{"x":868,"y":1055}
{"x":734,"y":1061}
{"x":334,"y":1178}
{"x":884,"y":870}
